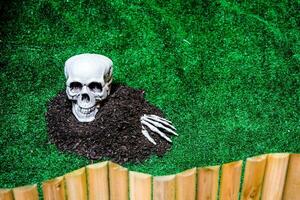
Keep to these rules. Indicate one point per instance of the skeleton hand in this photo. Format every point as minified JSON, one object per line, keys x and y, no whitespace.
{"x":157,"y":124}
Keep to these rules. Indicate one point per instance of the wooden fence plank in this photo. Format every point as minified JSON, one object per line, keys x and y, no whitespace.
{"x":253,"y":178}
{"x":292,"y":183}
{"x":140,"y":186}
{"x":186,"y":185}
{"x":54,"y":189}
{"x":6,"y":194}
{"x":230,"y":180}
{"x":164,"y":187}
{"x":208,"y":183}
{"x":275,"y":176}
{"x":76,"y":185}
{"x":26,"y":193}
{"x":98,"y":187}
{"x":118,"y":182}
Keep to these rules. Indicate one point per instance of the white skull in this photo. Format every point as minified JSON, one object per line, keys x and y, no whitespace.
{"x":89,"y":78}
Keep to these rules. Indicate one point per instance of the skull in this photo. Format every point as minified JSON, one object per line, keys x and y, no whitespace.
{"x":89,"y":78}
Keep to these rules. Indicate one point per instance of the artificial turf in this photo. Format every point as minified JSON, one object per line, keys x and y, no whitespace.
{"x":225,"y":72}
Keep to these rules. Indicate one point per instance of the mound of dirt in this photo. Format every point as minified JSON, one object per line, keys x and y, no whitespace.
{"x":115,"y":134}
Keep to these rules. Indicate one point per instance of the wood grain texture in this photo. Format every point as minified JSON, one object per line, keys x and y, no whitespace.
{"x":208,"y":183}
{"x":76,"y":187}
{"x":275,"y":174}
{"x":292,"y":183}
{"x":118,"y":182}
{"x":98,"y":186}
{"x":164,"y":187}
{"x":6,"y":194}
{"x":253,"y":178}
{"x":29,"y":192}
{"x":54,"y":189}
{"x":186,"y":185}
{"x":140,"y":186}
{"x":230,"y":180}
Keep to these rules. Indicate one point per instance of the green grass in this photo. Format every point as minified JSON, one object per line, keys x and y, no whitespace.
{"x":226,"y":73}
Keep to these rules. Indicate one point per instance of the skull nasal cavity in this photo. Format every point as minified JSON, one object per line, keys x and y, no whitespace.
{"x":85,"y":97}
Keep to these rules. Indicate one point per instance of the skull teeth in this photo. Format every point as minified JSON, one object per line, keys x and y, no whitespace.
{"x":86,"y":110}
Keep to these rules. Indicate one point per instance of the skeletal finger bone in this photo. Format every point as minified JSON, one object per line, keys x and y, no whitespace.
{"x":156,"y":130}
{"x":161,"y":121}
{"x":146,"y":134}
{"x":160,"y":118}
{"x":159,"y":125}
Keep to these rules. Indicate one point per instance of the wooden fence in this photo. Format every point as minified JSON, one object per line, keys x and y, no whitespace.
{"x":267,"y":177}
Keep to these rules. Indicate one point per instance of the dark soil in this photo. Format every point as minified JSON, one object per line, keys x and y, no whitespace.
{"x":114,"y":134}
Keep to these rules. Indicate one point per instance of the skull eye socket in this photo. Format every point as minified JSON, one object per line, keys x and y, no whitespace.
{"x":95,"y":87}
{"x":75,"y":86}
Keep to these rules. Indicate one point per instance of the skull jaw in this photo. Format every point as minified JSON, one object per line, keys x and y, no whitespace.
{"x":84,"y":115}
